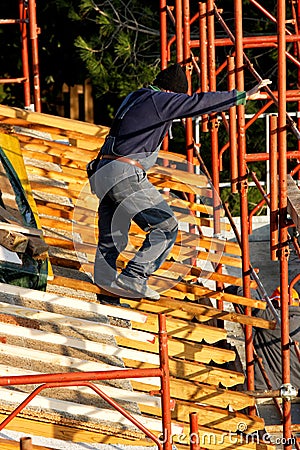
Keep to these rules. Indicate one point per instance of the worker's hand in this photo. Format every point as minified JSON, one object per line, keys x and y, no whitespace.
{"x":254,"y":93}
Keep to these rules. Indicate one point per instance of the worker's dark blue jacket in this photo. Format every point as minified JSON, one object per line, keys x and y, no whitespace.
{"x":139,"y":130}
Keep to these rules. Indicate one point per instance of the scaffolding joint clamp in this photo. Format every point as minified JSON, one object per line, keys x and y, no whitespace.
{"x":288,"y":392}
{"x":242,"y":185}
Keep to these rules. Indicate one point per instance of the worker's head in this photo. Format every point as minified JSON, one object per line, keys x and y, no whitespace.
{"x":293,"y":300}
{"x":173,"y":78}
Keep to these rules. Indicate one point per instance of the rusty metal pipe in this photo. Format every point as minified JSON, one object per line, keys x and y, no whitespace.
{"x":250,"y":41}
{"x":33,"y":34}
{"x":203,"y":57}
{"x":283,"y":232}
{"x":194,"y":434}
{"x":243,"y":190}
{"x":179,"y":30}
{"x":163,"y":34}
{"x":273,"y":189}
{"x":165,"y":382}
{"x":23,"y":12}
{"x":252,"y":157}
{"x":16,"y":380}
{"x":25,"y":443}
{"x":232,"y":129}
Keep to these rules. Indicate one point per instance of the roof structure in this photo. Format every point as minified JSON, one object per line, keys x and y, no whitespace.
{"x":65,"y":329}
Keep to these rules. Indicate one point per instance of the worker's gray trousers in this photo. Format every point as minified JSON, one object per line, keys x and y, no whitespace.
{"x":126,"y":194}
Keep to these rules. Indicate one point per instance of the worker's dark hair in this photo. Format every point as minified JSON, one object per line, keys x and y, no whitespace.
{"x":173,"y":78}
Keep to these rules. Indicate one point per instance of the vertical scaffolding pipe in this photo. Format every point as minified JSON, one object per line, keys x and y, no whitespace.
{"x":163,"y":51}
{"x":298,"y":57}
{"x":25,"y":443}
{"x":165,"y":382}
{"x":194,"y":434}
{"x":179,"y":31}
{"x":232,"y":128}
{"x":243,"y":190}
{"x":273,"y":188}
{"x":203,"y":57}
{"x":163,"y":34}
{"x":24,"y":52}
{"x":283,"y":231}
{"x":213,"y":128}
{"x":186,"y":58}
{"x":35,"y":58}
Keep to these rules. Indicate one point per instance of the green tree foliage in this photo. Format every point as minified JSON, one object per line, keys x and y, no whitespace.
{"x":114,"y":43}
{"x":117,"y":44}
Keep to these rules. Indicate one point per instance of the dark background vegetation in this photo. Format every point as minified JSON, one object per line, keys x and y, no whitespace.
{"x":116,"y":45}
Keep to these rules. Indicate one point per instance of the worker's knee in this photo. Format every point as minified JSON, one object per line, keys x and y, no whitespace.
{"x":169,"y":225}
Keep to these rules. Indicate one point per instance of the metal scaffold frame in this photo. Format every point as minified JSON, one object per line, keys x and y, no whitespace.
{"x":29,"y":52}
{"x":199,"y":58}
{"x":59,"y":380}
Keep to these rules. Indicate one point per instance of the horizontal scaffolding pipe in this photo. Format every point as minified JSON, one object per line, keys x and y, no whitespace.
{"x":250,"y":41}
{"x":79,"y":376}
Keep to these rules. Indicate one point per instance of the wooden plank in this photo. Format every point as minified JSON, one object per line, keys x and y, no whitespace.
{"x":210,"y":395}
{"x":196,"y":292}
{"x":213,"y":440}
{"x":76,"y":138}
{"x":176,"y":175}
{"x":46,"y":300}
{"x":179,"y":329}
{"x":217,"y":418}
{"x":162,"y":183}
{"x":53,"y":121}
{"x":13,"y":241}
{"x":179,"y":269}
{"x":203,"y":310}
{"x":191,"y":206}
{"x":78,"y":163}
{"x":19,"y":228}
{"x":194,"y":372}
{"x":196,"y":392}
{"x":81,"y":325}
{"x":53,"y":151}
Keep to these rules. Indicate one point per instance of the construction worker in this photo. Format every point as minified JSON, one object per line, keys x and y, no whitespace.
{"x":118,"y":177}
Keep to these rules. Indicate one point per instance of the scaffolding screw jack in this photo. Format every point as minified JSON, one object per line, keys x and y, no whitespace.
{"x":288,"y":392}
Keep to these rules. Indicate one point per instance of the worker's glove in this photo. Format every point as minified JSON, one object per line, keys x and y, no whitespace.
{"x":254,"y":93}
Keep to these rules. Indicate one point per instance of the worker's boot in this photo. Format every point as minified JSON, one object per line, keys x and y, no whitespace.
{"x":136,"y":289}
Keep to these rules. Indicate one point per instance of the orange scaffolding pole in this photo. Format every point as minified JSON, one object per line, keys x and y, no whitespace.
{"x":28,"y":35}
